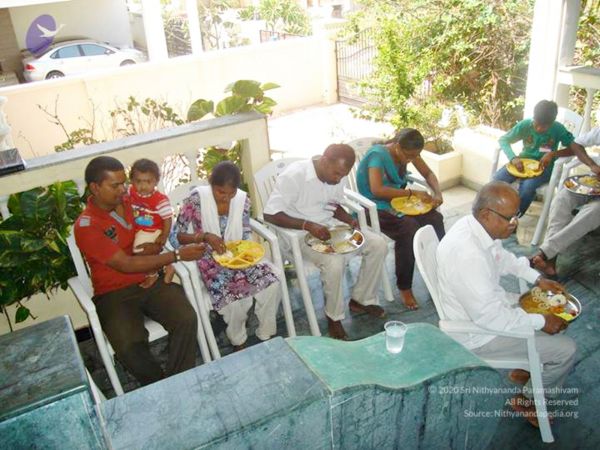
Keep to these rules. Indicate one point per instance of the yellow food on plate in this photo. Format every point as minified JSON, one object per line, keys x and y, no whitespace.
{"x":590,"y":181}
{"x":538,"y":301}
{"x":411,"y":206}
{"x":240,"y":254}
{"x":531,"y":168}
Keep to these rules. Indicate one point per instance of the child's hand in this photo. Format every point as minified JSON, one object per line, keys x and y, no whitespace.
{"x":546,"y":160}
{"x":518,"y":164}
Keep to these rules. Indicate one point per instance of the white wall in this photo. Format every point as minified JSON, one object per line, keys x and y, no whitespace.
{"x":298,"y":65}
{"x":104,"y":20}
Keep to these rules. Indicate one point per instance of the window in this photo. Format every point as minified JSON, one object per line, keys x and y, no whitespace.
{"x":95,"y":50}
{"x":71,"y":51}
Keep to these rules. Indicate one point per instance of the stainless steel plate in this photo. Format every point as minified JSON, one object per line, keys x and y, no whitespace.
{"x":572,"y":307}
{"x":579,"y":184}
{"x":343,"y":240}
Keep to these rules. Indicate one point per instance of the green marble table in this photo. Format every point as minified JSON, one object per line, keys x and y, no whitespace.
{"x":45,"y":400}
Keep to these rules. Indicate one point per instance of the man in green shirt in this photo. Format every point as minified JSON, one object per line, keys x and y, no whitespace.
{"x":541,"y":137}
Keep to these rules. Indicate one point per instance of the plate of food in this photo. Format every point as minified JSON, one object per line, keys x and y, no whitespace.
{"x":583,"y":184}
{"x":538,"y":301}
{"x":240,"y":254}
{"x":531,"y":168}
{"x":412,"y":205}
{"x":343,"y":240}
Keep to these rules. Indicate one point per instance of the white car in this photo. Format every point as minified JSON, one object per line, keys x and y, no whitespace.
{"x":77,"y":56}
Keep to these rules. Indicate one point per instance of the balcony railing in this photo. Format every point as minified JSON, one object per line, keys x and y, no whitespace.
{"x":250,"y":129}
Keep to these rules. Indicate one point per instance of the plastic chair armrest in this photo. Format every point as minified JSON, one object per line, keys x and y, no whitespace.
{"x":262,"y":231}
{"x":458,"y":326}
{"x":83,"y":297}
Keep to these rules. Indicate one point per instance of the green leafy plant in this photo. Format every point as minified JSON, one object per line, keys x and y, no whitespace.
{"x":245,"y":95}
{"x":34,"y":255}
{"x":471,"y":52}
{"x":283,"y":16}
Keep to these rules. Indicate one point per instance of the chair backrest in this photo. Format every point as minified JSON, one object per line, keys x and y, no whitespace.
{"x":571,"y":120}
{"x":182,"y":191}
{"x":425,"y":245}
{"x":265,"y":178}
{"x":80,"y":265}
{"x":360,"y":146}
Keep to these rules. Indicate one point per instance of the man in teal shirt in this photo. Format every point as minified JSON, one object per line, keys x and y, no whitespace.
{"x":541,"y":137}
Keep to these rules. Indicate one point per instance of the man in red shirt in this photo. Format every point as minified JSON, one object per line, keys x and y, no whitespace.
{"x":104,"y":233}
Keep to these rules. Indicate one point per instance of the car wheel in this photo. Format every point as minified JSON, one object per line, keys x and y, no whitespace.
{"x":54,"y":74}
{"x":127,"y":62}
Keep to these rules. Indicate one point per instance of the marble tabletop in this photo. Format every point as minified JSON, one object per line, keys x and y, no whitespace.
{"x":39,"y":365}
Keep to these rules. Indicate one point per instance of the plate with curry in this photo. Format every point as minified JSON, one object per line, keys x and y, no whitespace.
{"x":563,"y":305}
{"x":531,"y":169}
{"x":412,"y":205}
{"x":583,"y":185}
{"x":240,"y":254}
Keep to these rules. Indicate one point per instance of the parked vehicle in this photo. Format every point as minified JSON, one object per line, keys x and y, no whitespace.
{"x":77,"y":56}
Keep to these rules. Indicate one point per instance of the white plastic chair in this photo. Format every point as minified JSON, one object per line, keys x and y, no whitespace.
{"x":81,"y":286}
{"x":264,"y":180}
{"x":572,"y":122}
{"x":176,"y":196}
{"x":425,"y":245}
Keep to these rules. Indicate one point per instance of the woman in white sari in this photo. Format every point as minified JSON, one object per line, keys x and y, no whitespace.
{"x":215,"y":214}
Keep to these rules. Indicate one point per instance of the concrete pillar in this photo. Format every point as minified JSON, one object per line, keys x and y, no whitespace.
{"x":193,"y":17}
{"x":154,"y":30}
{"x":543,"y":54}
{"x":553,"y":35}
{"x":572,"y":10}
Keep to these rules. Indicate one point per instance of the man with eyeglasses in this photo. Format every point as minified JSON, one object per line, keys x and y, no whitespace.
{"x":471,"y":261}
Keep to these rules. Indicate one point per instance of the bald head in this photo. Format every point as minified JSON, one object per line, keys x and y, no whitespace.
{"x":494,"y":195}
{"x":335,"y":164}
{"x":340,"y":153}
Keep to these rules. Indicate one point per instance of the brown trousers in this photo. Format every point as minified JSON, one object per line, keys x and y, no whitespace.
{"x":121,"y":315}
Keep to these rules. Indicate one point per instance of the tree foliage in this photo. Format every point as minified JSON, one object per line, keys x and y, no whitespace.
{"x":282,"y":16}
{"x":472,"y":52}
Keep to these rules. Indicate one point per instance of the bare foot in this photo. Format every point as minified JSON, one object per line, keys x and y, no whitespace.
{"x":336,"y":330}
{"x":519,"y":376}
{"x":372,"y":310}
{"x":525,"y":408}
{"x":409,"y":300}
{"x":239,"y":348}
{"x":169,"y":273}
{"x":544,"y":265}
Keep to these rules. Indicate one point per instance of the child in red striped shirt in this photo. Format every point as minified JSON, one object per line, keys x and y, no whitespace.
{"x":152,"y":212}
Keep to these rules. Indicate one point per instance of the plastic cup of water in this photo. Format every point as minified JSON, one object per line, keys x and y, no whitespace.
{"x":394,"y":336}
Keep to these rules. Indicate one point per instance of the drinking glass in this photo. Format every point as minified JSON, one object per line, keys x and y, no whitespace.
{"x":394,"y":336}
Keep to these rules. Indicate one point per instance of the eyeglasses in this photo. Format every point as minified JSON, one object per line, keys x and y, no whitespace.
{"x":513,"y":220}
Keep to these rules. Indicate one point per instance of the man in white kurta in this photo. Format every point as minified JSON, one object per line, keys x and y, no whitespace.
{"x":471,"y":261}
{"x":564,"y":228}
{"x":307,"y":196}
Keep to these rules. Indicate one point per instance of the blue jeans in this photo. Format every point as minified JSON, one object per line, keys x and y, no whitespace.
{"x":527,"y":186}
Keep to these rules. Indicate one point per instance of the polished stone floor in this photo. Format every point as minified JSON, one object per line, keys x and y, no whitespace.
{"x":579,"y":269}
